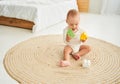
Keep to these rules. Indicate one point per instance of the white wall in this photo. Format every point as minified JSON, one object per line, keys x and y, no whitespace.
{"x":95,"y":6}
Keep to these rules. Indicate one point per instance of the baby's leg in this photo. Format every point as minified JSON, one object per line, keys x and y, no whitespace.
{"x":84,"y":49}
{"x":67,"y":52}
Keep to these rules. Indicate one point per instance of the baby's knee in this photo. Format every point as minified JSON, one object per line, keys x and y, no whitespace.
{"x":88,"y":48}
{"x":67,"y":49}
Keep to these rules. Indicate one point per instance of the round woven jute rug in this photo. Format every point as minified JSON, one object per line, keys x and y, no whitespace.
{"x":36,"y":61}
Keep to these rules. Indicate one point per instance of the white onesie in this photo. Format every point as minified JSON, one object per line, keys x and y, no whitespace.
{"x":75,"y":42}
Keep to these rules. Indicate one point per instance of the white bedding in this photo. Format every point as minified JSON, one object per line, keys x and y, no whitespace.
{"x":42,"y":14}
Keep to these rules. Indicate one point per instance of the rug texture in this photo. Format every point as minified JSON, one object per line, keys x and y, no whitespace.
{"x":36,"y":61}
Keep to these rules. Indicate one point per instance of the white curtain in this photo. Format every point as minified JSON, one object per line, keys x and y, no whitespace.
{"x":110,"y":7}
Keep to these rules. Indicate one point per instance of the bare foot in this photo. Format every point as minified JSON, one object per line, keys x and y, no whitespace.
{"x":76,"y":56}
{"x":64,"y":63}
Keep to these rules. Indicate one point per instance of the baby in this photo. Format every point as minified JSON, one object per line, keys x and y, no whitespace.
{"x":74,"y":46}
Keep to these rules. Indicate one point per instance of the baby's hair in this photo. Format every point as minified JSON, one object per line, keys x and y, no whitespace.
{"x":72,"y":12}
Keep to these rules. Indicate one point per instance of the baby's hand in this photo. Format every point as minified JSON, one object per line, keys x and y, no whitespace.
{"x":83,"y":41}
{"x":68,"y":38}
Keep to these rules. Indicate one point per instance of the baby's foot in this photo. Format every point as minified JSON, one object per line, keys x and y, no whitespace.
{"x":64,"y":63}
{"x":76,"y":56}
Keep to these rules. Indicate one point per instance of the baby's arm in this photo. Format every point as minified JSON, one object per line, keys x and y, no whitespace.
{"x":68,"y":38}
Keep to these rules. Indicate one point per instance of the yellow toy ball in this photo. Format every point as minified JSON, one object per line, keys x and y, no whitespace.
{"x":83,"y":36}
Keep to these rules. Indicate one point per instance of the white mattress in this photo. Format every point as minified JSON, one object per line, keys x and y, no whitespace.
{"x":43,"y":15}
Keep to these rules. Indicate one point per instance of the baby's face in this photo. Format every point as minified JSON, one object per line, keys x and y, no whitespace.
{"x":73,"y":22}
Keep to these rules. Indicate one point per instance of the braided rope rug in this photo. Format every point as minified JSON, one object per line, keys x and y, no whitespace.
{"x":35,"y":61}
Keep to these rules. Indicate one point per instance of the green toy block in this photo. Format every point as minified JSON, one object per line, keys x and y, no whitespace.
{"x":70,"y":33}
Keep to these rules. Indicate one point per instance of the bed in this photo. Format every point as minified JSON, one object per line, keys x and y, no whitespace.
{"x":35,"y":15}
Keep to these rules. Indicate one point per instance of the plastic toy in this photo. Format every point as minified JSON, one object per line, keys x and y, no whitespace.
{"x":83,"y":36}
{"x":86,"y":63}
{"x":70,"y":33}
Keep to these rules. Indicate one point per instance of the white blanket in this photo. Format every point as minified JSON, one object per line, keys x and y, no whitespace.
{"x":41,"y":13}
